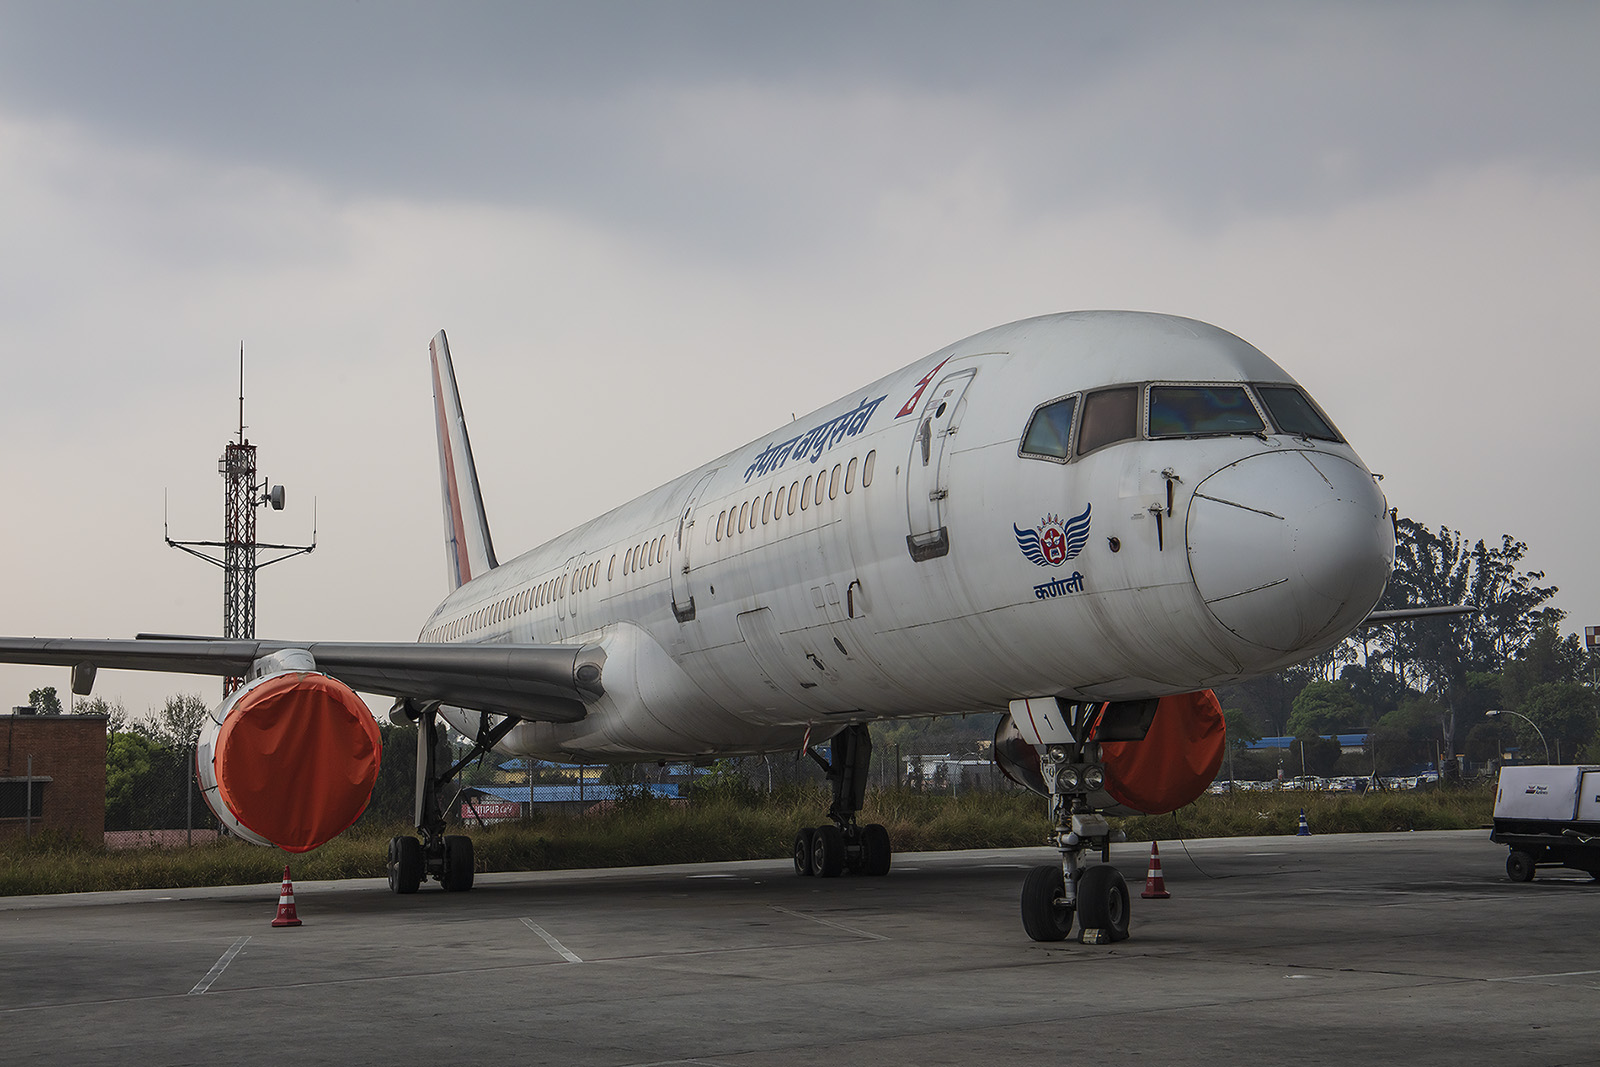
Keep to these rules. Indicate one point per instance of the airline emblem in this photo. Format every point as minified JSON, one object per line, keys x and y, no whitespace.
{"x":916,"y":394}
{"x":1053,"y":542}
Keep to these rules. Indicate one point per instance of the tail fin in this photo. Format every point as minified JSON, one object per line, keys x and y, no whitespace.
{"x":468,"y":550}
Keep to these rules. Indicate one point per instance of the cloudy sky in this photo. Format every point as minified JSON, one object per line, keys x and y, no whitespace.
{"x":655,"y":230}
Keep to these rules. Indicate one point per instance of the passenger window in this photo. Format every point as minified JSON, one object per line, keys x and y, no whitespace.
{"x":1109,"y":416}
{"x":777,"y":507}
{"x":793,"y":489}
{"x":1294,"y":414}
{"x":866,"y":468}
{"x":627,"y":563}
{"x":744,"y":511}
{"x":805,"y":494}
{"x":611,"y":568}
{"x":1202,"y":410}
{"x":850,"y":476}
{"x":833,"y":483}
{"x":822,"y":481}
{"x":1049,"y":431}
{"x":766,"y":509}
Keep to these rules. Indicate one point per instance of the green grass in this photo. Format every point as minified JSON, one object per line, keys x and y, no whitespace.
{"x":719,"y":828}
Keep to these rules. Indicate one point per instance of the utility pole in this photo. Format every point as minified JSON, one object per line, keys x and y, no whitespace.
{"x":240,"y":560}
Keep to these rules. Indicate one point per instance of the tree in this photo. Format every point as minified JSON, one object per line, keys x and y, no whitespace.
{"x":1547,"y":657}
{"x":1325,"y":708}
{"x":116,"y":715}
{"x":1317,"y":754}
{"x":1567,"y":713}
{"x":394,"y":793}
{"x":1438,"y":655}
{"x":177,"y":724}
{"x":45,"y":701}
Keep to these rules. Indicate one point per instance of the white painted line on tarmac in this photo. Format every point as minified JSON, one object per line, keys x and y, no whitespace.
{"x":828,"y":922}
{"x":552,"y":942}
{"x":217,"y":968}
{"x":1536,"y":977}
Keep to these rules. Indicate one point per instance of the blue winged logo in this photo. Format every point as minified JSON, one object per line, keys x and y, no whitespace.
{"x":1053,"y":542}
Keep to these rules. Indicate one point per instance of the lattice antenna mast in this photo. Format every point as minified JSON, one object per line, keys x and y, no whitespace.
{"x":240,"y":559}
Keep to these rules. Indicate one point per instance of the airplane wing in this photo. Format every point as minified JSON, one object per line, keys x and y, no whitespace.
{"x":545,"y":683}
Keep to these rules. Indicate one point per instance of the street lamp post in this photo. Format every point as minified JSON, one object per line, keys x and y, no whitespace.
{"x":1531,"y":723}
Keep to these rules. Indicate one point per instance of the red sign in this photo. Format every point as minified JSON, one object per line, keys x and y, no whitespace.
{"x":490,"y":809}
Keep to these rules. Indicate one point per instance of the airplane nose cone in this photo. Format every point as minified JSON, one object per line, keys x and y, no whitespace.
{"x":1289,"y":549}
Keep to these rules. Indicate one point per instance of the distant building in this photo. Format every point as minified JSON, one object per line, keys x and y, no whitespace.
{"x":1348,"y":743}
{"x":497,"y":803}
{"x":66,"y":792}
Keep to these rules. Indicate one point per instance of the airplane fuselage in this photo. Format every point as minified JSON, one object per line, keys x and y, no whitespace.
{"x":928,"y":545}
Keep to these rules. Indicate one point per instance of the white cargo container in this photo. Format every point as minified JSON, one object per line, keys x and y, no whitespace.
{"x":1549,"y":816}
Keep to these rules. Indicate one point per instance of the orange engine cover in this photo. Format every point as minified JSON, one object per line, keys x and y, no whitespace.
{"x":1175,"y":762}
{"x":292,"y":760}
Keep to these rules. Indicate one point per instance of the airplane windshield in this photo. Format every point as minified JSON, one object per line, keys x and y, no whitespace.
{"x":1202,"y":410}
{"x":1050,"y":430}
{"x":1109,"y":416}
{"x":1294,"y":414}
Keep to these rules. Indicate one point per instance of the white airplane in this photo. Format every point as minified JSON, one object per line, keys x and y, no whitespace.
{"x":1082,"y":520}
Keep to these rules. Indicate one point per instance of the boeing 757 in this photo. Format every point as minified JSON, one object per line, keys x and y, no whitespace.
{"x":1084,"y":521}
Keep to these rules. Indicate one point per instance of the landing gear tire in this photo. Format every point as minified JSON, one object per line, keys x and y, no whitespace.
{"x":803,"y":844}
{"x":1519,"y":867}
{"x":458,"y":868}
{"x":1103,"y":901}
{"x":827,"y":852}
{"x":875,"y":850}
{"x":1045,"y":916}
{"x":405,"y":864}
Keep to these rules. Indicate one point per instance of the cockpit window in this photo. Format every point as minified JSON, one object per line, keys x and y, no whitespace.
{"x":1202,"y":410}
{"x":1294,"y":414}
{"x":1109,"y":416}
{"x":1049,"y":432}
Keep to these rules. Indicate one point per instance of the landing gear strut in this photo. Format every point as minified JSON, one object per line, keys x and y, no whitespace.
{"x":832,"y":849}
{"x":447,"y":858}
{"x":1096,"y":894}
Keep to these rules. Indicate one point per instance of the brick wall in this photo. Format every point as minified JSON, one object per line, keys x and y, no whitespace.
{"x":71,"y":751}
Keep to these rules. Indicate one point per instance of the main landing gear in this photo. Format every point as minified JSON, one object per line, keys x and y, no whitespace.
{"x":830,"y":850}
{"x":447,"y":858}
{"x":1096,"y":895}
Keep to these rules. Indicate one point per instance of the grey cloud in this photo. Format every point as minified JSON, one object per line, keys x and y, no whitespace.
{"x":1208,"y":112}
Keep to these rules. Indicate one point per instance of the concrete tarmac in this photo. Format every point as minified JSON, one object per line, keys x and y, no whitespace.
{"x":1408,"y":948}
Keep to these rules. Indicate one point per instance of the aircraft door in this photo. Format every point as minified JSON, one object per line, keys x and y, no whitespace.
{"x":683,"y":583}
{"x":566,"y":609}
{"x":927,"y":478}
{"x":574,"y":600}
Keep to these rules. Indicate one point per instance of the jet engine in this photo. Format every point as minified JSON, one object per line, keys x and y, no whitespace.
{"x":289,"y":760}
{"x":1171,"y":766}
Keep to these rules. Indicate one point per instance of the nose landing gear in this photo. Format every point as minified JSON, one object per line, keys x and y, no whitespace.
{"x":1096,"y":895}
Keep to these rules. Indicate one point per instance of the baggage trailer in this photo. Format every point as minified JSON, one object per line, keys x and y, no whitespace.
{"x":1548,"y":817}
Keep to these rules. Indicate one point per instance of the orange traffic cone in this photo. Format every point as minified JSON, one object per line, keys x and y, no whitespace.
{"x":286,"y":912}
{"x":1155,"y":886}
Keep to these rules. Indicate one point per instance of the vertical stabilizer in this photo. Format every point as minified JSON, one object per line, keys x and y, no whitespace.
{"x":468,"y":550}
